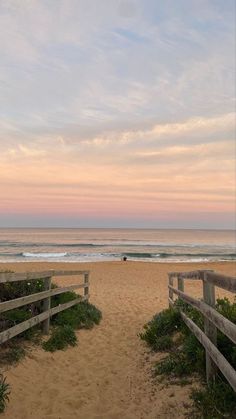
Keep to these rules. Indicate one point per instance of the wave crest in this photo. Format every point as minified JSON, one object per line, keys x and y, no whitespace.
{"x":44,"y":255}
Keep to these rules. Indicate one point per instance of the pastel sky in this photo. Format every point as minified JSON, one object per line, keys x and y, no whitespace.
{"x":117,"y":113}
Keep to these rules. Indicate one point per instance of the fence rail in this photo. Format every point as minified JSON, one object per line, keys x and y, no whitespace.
{"x":212,"y":319}
{"x":44,"y":296}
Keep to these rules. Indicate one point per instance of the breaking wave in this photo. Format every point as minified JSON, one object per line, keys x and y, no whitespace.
{"x":44,"y":255}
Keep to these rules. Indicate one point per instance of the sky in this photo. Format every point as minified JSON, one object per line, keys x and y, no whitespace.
{"x":117,"y":113}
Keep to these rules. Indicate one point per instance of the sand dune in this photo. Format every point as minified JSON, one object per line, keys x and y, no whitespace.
{"x":108,"y":375}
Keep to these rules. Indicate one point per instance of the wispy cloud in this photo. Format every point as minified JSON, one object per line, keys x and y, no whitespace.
{"x":122,"y":107}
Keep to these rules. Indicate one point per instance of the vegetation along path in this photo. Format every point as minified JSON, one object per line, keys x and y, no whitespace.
{"x":108,"y":374}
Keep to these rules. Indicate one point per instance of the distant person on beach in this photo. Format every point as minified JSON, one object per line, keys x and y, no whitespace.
{"x":124,"y":258}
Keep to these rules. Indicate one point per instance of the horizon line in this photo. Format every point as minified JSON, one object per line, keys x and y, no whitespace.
{"x":119,"y":228}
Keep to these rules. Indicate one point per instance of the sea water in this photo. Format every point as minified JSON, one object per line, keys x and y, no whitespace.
{"x":88,"y":245}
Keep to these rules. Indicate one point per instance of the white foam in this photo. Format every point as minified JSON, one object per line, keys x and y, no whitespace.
{"x":44,"y":255}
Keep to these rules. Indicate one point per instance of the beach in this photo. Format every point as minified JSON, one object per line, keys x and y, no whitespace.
{"x":108,"y":375}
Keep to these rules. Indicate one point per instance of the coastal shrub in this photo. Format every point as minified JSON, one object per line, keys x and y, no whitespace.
{"x":11,"y":354}
{"x":187,"y":356}
{"x":82,"y":315}
{"x":13,"y":317}
{"x":63,"y":298}
{"x":185,"y":360}
{"x":224,"y":344}
{"x":163,"y":343}
{"x":226,"y":308}
{"x":216,"y":401}
{"x":165,"y":323}
{"x":226,"y":347}
{"x":61,"y":338}
{"x":17,"y":289}
{"x":192,"y":313}
{"x":195,"y":353}
{"x":175,"y":364}
{"x":4,"y":393}
{"x":16,"y":316}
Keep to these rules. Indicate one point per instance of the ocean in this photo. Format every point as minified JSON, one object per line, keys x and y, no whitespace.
{"x":90,"y":245}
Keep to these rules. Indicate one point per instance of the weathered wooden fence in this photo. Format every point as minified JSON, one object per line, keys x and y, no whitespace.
{"x":44,"y":296}
{"x":213,"y":320}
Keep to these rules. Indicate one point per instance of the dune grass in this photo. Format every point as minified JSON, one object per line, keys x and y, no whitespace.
{"x":60,"y":339}
{"x":185,"y":357}
{"x":4,"y":393}
{"x":63,"y":325}
{"x":82,"y":315}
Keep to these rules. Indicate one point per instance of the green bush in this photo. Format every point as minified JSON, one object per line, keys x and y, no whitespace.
{"x":192,"y":313}
{"x":16,"y":316}
{"x":175,"y":364}
{"x":16,"y":289}
{"x":194,"y":352}
{"x":12,"y":354}
{"x":13,"y":317}
{"x":163,"y":343}
{"x":226,"y":308}
{"x":64,"y":298}
{"x":217,"y":401}
{"x":4,"y":393}
{"x":226,"y":347}
{"x":82,"y":315}
{"x":186,"y":360}
{"x":61,"y":338}
{"x":165,"y":323}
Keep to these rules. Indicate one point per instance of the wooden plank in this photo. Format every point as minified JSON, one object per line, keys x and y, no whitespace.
{"x":28,"y":299}
{"x":69,"y":273}
{"x":171,"y":302}
{"x":24,"y":276}
{"x":223,"y":324}
{"x":199,"y":274}
{"x":171,"y":282}
{"x":180,"y":283}
{"x":190,"y":275}
{"x":62,"y":307}
{"x":222,"y":281}
{"x":209,"y":327}
{"x":19,"y":328}
{"x":29,"y":276}
{"x":46,"y":306}
{"x":224,"y":366}
{"x":86,"y":281}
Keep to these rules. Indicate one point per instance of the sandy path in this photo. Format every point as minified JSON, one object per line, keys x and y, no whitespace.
{"x":108,"y":375}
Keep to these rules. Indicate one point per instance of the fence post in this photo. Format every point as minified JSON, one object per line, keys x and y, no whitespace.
{"x":86,"y":288}
{"x":47,"y":305}
{"x":171,"y":282}
{"x":180,"y":283}
{"x":209,"y":328}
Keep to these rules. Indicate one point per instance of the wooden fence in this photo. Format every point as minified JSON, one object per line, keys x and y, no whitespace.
{"x":213,"y":320}
{"x":44,"y":296}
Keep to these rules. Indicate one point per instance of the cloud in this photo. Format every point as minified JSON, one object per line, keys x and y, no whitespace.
{"x":31,"y":152}
{"x":114,"y":104}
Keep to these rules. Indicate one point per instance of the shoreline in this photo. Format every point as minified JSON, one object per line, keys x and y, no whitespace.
{"x":109,"y":373}
{"x":128,"y":260}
